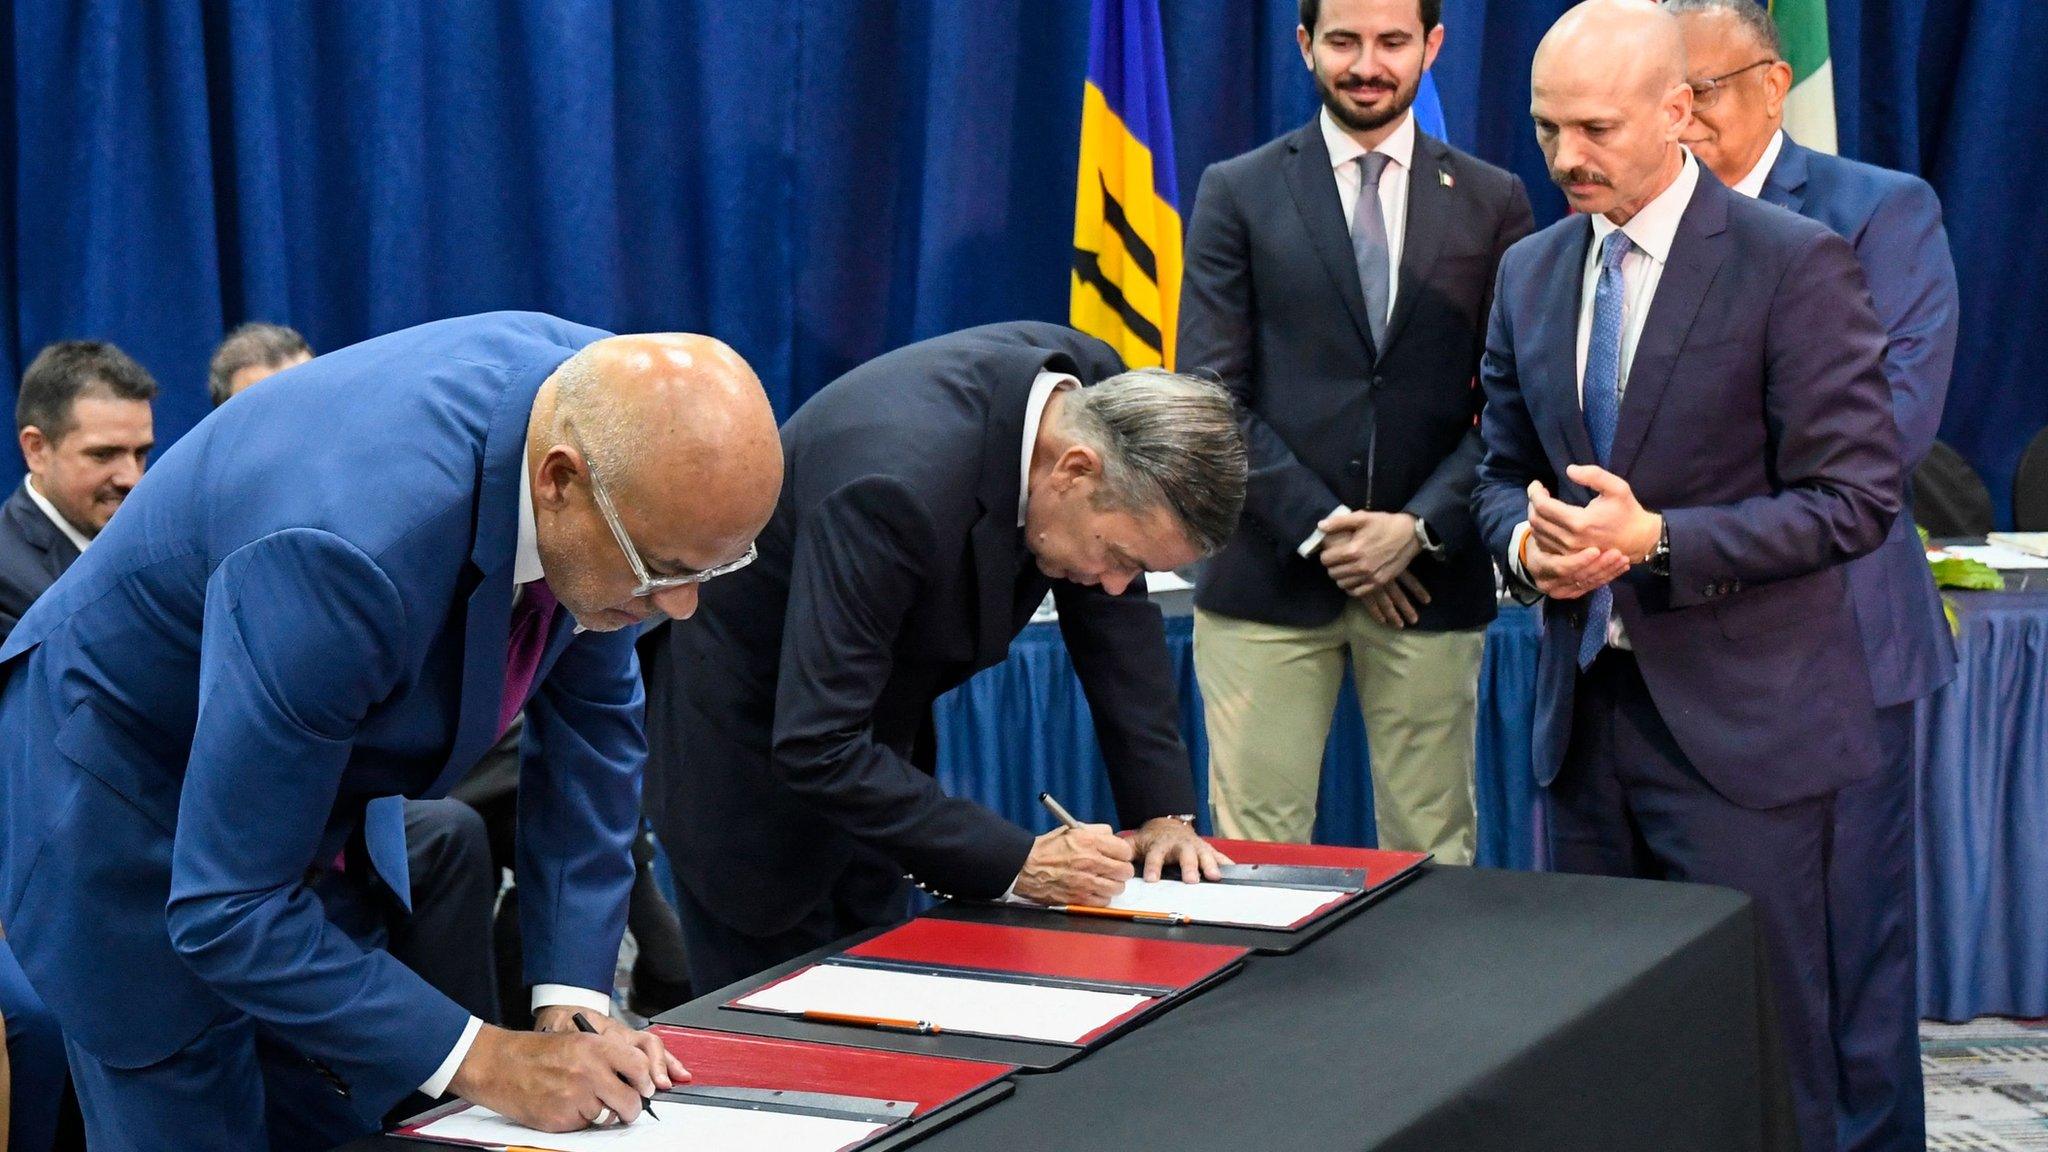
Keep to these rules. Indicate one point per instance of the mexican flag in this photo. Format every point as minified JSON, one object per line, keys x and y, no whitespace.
{"x":1810,"y":109}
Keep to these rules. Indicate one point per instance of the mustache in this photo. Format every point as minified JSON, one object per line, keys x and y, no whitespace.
{"x":1382,"y":85}
{"x":1565,"y":176}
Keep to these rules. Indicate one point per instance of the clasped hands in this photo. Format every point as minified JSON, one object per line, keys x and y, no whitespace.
{"x":1572,"y":550}
{"x":1091,"y":864}
{"x":1367,"y":554}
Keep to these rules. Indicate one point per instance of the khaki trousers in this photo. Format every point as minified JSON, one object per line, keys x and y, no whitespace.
{"x":1269,"y":691}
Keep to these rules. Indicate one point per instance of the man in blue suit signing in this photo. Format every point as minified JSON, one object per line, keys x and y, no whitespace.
{"x":1740,"y":81}
{"x":332,"y":595}
{"x":1688,"y":438}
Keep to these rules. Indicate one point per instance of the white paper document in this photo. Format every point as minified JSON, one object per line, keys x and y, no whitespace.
{"x":679,"y":1126}
{"x":951,"y":1003}
{"x":1997,"y":556}
{"x":1249,"y":905}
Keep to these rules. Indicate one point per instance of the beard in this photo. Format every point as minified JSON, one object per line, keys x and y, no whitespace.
{"x":1356,"y":121}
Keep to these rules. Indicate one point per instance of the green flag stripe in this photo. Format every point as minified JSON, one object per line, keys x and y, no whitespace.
{"x":1803,"y":25}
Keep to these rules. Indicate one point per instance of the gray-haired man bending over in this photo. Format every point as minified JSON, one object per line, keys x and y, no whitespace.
{"x":935,"y":495}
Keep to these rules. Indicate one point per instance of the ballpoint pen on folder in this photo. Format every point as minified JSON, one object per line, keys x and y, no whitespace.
{"x":1132,"y":914}
{"x":584,"y":1025}
{"x":886,"y":1024}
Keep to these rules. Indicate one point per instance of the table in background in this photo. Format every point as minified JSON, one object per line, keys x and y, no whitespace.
{"x":1023,"y":727}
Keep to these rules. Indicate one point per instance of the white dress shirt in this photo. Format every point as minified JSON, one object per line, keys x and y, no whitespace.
{"x":1399,"y":148}
{"x":526,"y":568}
{"x":1752,"y":185}
{"x":1042,"y":389}
{"x":79,"y":540}
{"x":1652,"y":231}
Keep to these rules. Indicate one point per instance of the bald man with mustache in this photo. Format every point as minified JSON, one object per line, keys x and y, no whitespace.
{"x":1688,"y":438}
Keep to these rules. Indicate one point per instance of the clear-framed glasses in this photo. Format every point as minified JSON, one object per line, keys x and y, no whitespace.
{"x":1707,"y":93}
{"x":649,"y":584}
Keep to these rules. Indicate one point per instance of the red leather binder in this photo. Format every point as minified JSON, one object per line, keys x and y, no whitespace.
{"x":1381,"y":867}
{"x":925,"y":1091}
{"x":1157,"y":970}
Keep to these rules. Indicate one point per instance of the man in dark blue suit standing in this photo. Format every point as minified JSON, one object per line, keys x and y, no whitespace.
{"x":330,"y":596}
{"x":1740,"y":81}
{"x":1698,"y":377}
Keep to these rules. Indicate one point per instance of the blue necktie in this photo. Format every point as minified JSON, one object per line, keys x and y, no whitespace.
{"x":1601,"y":398}
{"x":1369,"y":247}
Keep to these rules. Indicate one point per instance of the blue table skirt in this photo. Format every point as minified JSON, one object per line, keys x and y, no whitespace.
{"x":1023,"y":727}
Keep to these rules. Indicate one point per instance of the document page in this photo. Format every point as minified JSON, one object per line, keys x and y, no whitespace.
{"x":1245,"y":905}
{"x":951,"y":1003}
{"x":695,"y":1127}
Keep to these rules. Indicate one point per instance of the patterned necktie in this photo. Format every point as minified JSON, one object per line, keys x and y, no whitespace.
{"x":532,"y":618}
{"x":1601,"y":398}
{"x":1369,"y":246}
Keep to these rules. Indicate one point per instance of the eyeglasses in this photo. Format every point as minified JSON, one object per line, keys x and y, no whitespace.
{"x":649,"y":583}
{"x":1707,"y":93}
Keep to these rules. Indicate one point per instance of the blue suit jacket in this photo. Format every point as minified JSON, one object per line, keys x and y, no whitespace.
{"x":33,"y":553}
{"x":1894,"y":222}
{"x":299,"y":616}
{"x":1758,"y":421}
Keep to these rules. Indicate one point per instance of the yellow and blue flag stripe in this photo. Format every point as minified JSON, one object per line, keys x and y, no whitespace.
{"x":1127,"y":226}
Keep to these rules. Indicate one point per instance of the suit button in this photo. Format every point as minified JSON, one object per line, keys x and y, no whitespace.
{"x":1355,"y":468}
{"x":1708,"y":591}
{"x":1379,"y":381}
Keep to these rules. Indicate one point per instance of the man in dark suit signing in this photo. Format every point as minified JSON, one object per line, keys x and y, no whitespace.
{"x":935,"y":495}
{"x":1698,"y":379}
{"x":1337,"y":283}
{"x":84,"y":422}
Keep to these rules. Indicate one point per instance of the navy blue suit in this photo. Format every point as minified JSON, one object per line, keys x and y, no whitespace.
{"x":1894,"y":222}
{"x":33,"y":553}
{"x":1757,"y":420}
{"x":299,"y":618}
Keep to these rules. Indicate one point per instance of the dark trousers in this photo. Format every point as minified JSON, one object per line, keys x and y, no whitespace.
{"x":35,"y":1057}
{"x":869,"y":893}
{"x":1872,"y":928}
{"x":1628,"y":803}
{"x":447,"y":936}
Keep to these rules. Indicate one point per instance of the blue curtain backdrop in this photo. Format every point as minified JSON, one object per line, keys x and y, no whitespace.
{"x":816,"y":181}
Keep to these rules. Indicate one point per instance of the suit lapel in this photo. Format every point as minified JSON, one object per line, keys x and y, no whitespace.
{"x":1429,"y":213}
{"x":1564,"y":287}
{"x":36,"y":530}
{"x":995,"y":540}
{"x":1695,"y":259}
{"x":1785,"y":186}
{"x":1314,"y":188}
{"x":487,"y":621}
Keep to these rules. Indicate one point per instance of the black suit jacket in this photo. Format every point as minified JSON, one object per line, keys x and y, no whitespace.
{"x":789,"y":721}
{"x":33,"y":553}
{"x":1271,"y":304}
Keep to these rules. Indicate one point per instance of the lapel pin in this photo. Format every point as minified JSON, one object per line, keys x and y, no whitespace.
{"x":1444,"y":178}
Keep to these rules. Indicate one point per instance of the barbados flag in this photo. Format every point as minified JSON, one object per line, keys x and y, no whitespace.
{"x":1127,"y":259}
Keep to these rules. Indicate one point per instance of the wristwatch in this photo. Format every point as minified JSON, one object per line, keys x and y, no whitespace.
{"x":1659,"y":558}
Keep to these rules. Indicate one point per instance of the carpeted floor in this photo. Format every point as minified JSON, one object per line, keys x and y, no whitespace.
{"x":1987,"y":1085}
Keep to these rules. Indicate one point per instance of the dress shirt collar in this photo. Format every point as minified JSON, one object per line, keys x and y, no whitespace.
{"x":526,"y":549}
{"x":1656,"y":226}
{"x":79,"y":540}
{"x":1399,"y":146}
{"x":1752,"y":185}
{"x":1042,"y":389}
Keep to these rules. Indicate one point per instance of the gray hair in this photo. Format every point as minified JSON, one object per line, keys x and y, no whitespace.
{"x":252,"y":345}
{"x":606,"y":433}
{"x":1166,"y":440}
{"x":1754,"y":18}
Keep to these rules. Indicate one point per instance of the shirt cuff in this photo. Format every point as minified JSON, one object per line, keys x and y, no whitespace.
{"x":570,"y":996}
{"x":1315,"y":538}
{"x":1515,"y":553}
{"x":437,"y":1084}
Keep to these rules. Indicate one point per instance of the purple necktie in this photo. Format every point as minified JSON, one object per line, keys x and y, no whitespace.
{"x":531,"y":619}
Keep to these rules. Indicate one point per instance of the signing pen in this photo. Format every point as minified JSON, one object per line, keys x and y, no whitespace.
{"x":583,"y":1025}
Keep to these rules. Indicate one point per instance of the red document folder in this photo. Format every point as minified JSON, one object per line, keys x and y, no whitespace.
{"x":1160,"y":970}
{"x":723,"y":1060}
{"x":1381,"y":867}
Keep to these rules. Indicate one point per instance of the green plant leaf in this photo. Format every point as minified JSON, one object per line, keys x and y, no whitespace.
{"x":1972,"y":575}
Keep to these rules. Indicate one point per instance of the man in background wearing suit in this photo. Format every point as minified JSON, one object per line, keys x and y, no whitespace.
{"x":1740,"y":80}
{"x":1338,"y":281}
{"x":936,"y":494}
{"x":1698,"y":378}
{"x":83,"y":418}
{"x":370,"y":566}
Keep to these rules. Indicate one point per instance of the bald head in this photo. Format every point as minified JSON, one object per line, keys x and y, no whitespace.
{"x":1609,"y":96}
{"x":677,"y":430}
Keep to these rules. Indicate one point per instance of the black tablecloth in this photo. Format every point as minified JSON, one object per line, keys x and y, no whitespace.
{"x":1473,"y":1010}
